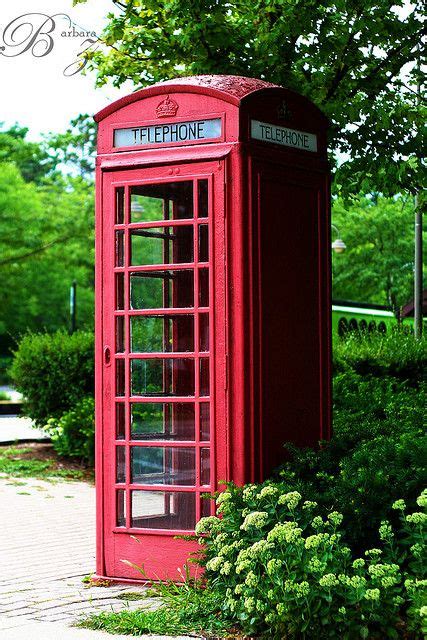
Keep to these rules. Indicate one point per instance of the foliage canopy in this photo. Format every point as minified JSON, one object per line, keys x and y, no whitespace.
{"x":357,"y":60}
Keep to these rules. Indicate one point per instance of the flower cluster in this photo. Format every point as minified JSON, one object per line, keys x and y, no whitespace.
{"x":285,"y":532}
{"x":267,"y":492}
{"x":205,"y":525}
{"x":255,"y":519}
{"x":329,"y":580}
{"x":278,"y":564}
{"x":290,"y":499}
{"x":313,"y":542}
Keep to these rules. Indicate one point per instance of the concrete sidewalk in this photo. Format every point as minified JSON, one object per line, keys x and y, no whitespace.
{"x":47,"y":545}
{"x":16,"y":429}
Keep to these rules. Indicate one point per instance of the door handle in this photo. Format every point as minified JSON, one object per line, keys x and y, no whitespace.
{"x":107,"y":356}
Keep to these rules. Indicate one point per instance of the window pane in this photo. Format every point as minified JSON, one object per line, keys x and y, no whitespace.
{"x":121,"y":508}
{"x":120,"y":464}
{"x":205,"y":466}
{"x":120,"y":421}
{"x":120,"y":291}
{"x":203,"y":198}
{"x":120,"y":248}
{"x":162,"y":289}
{"x":206,"y":505}
{"x":120,"y":377}
{"x":203,"y":287}
{"x":164,"y":510}
{"x":204,"y":332}
{"x":204,"y":421}
{"x":157,"y":421}
{"x":120,"y":205}
{"x":163,"y":465}
{"x":150,"y":334}
{"x":203,"y":243}
{"x":204,"y":377}
{"x":161,"y":245}
{"x":120,"y":334}
{"x":146,"y":209}
{"x":173,"y":200}
{"x":162,"y":377}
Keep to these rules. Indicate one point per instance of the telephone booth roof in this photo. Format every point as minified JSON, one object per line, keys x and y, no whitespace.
{"x":236,"y":99}
{"x":232,"y":89}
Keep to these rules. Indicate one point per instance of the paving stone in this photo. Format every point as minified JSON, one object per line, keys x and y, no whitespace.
{"x":47,"y":547}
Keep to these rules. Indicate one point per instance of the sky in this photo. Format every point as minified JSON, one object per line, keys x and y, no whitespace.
{"x":34,"y":90}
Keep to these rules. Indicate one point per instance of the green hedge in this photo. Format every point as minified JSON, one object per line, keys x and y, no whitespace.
{"x":396,"y":354}
{"x":53,"y":372}
{"x":379,"y":446}
{"x":73,"y":433}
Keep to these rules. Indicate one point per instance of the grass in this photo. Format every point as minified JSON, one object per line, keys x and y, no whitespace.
{"x":186,"y":609}
{"x":39,"y":461}
{"x":131,"y":595}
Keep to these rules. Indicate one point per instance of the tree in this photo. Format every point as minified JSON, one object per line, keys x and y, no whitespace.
{"x":76,"y":148}
{"x":356,"y":59}
{"x":378,"y":263}
{"x":46,"y":242}
{"x":32,"y":159}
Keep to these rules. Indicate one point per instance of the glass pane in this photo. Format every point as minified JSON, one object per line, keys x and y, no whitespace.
{"x":161,"y":245}
{"x":120,"y":248}
{"x":120,"y":464}
{"x":205,"y":433}
{"x":173,"y":200}
{"x":151,"y":334}
{"x":162,"y":377}
{"x":146,"y":209}
{"x":120,"y":377}
{"x":203,"y":287}
{"x":157,"y":421}
{"x":162,"y":290}
{"x":120,"y":334}
{"x":164,"y":510}
{"x":120,"y":421}
{"x":203,"y":198}
{"x":206,"y":505}
{"x":205,"y":466}
{"x":120,"y":205}
{"x":203,"y":243}
{"x":121,"y":508}
{"x":120,"y":291}
{"x":204,"y":377}
{"x":204,"y":332}
{"x":163,"y":465}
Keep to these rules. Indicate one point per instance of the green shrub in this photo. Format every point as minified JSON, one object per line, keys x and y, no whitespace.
{"x":395,"y":354}
{"x":73,"y":434}
{"x":283,"y":569}
{"x":5,"y":362}
{"x":53,"y":372}
{"x":378,"y":449}
{"x":377,"y":454}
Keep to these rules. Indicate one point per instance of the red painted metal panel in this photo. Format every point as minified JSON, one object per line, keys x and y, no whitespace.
{"x":267,"y":344}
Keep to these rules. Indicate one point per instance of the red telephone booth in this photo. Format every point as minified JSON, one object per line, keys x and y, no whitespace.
{"x":213,"y":304}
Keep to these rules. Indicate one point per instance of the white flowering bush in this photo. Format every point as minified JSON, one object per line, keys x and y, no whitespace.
{"x":284,"y":571}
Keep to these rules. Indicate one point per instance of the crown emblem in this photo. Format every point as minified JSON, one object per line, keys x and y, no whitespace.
{"x":283,"y":112}
{"x":166,"y":108}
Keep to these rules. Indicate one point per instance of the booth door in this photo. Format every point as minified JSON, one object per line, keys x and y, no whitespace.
{"x":157,"y":372}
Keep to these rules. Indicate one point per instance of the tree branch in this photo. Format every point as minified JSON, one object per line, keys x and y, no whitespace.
{"x":40,"y":249}
{"x":342,"y":71}
{"x":390,"y":56}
